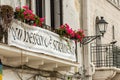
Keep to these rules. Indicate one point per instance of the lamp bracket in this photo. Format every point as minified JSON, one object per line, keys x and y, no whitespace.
{"x":88,"y":39}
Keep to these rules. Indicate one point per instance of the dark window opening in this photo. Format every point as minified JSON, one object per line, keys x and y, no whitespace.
{"x":29,"y":4}
{"x":113,"y":33}
{"x":56,"y":13}
{"x":40,"y":8}
{"x":52,"y":14}
{"x":61,"y":12}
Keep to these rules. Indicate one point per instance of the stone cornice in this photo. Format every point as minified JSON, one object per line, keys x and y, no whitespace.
{"x":115,"y":3}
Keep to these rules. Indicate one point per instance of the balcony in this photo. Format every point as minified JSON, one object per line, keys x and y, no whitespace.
{"x":36,"y":47}
{"x":26,"y":43}
{"x":106,"y":56}
{"x":106,"y":59}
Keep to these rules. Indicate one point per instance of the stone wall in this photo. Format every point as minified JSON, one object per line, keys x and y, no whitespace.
{"x":71,"y":13}
{"x":110,"y":13}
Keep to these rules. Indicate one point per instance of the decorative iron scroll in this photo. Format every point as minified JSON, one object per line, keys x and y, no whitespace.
{"x":89,"y":39}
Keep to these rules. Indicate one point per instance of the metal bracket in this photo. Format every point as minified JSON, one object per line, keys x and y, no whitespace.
{"x":89,"y":39}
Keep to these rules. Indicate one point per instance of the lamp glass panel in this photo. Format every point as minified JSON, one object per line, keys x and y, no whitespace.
{"x":102,"y":27}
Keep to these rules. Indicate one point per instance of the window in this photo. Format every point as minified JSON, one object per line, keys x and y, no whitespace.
{"x":113,"y":33}
{"x":56,"y":13}
{"x":40,"y":8}
{"x":51,"y":10}
{"x":29,"y":3}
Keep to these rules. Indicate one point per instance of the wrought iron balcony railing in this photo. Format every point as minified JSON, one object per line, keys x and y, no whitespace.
{"x":105,"y":55}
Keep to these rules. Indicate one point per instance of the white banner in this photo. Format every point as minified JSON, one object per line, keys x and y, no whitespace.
{"x":41,"y":41}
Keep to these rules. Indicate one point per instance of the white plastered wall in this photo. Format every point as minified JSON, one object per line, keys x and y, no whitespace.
{"x":110,"y":13}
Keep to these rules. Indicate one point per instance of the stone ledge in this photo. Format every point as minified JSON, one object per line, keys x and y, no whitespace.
{"x":104,"y":74}
{"x":108,"y":68}
{"x":107,"y":73}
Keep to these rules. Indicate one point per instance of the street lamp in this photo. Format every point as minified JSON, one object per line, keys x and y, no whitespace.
{"x":102,"y":26}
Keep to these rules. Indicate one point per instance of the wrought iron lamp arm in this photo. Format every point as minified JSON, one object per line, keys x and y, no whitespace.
{"x":101,"y":25}
{"x":89,"y":39}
